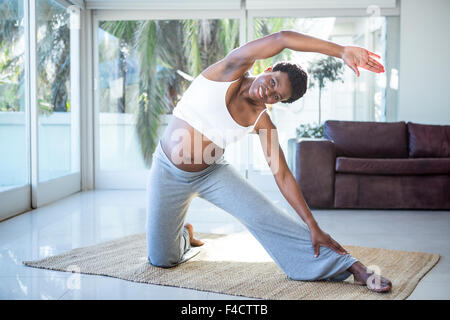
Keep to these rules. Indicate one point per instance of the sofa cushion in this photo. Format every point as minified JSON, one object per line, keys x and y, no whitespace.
{"x":428,"y":140}
{"x":391,"y":192}
{"x":368,"y":139}
{"x":416,"y":166}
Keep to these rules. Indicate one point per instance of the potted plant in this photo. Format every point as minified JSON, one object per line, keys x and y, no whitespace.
{"x":314,"y":130}
{"x":308,"y":131}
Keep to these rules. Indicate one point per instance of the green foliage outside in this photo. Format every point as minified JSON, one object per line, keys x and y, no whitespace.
{"x":53,"y":57}
{"x":320,"y":72}
{"x":324,"y":70}
{"x":10,"y":77}
{"x":310,"y":130}
{"x":11,"y":72}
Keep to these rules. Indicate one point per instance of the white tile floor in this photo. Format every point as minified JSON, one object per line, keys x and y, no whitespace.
{"x":92,"y":217}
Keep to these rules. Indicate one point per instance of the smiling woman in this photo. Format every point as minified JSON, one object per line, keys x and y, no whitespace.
{"x":189,"y":162}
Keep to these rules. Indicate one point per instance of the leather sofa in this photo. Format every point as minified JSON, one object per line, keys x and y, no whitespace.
{"x":374,"y":165}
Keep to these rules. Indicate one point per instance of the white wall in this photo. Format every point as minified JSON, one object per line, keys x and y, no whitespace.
{"x":424,"y":82}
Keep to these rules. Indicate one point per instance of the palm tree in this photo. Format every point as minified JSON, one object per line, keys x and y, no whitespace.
{"x":124,"y":31}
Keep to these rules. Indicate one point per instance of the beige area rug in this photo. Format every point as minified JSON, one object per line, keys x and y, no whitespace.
{"x":238,"y":265}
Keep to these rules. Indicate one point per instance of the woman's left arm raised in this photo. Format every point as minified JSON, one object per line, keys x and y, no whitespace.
{"x":241,"y":59}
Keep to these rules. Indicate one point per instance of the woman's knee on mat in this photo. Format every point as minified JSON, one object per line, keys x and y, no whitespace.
{"x":163,"y":252}
{"x":163,"y":259}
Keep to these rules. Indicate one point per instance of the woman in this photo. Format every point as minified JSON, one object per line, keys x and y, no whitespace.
{"x":221,"y":105}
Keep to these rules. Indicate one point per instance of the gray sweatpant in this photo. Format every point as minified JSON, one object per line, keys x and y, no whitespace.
{"x":286,"y":239}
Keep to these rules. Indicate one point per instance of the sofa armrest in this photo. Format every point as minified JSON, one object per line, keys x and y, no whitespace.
{"x":314,"y":171}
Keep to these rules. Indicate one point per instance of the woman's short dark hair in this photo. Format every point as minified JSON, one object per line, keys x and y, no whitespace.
{"x":297,"y":76}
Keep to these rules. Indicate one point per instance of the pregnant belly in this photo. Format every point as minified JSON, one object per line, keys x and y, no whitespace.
{"x":187,"y":148}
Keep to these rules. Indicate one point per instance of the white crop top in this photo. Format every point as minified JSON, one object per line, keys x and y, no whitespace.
{"x":203,"y":106}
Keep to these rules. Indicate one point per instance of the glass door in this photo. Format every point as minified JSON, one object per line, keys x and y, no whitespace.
{"x":55,"y":124}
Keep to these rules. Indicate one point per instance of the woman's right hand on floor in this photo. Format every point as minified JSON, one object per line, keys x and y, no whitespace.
{"x":321,"y":238}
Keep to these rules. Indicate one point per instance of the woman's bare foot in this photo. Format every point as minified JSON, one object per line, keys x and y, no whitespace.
{"x":194,"y":242}
{"x":365,"y":277}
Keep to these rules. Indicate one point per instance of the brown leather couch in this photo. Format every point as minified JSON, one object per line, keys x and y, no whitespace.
{"x":375,"y":165}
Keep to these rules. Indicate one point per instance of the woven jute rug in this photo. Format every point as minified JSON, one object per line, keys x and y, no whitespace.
{"x":237,"y":265}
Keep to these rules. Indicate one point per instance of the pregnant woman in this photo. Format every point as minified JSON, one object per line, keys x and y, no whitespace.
{"x":221,"y":105}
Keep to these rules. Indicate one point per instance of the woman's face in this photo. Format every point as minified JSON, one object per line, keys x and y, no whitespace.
{"x":271,"y":87}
